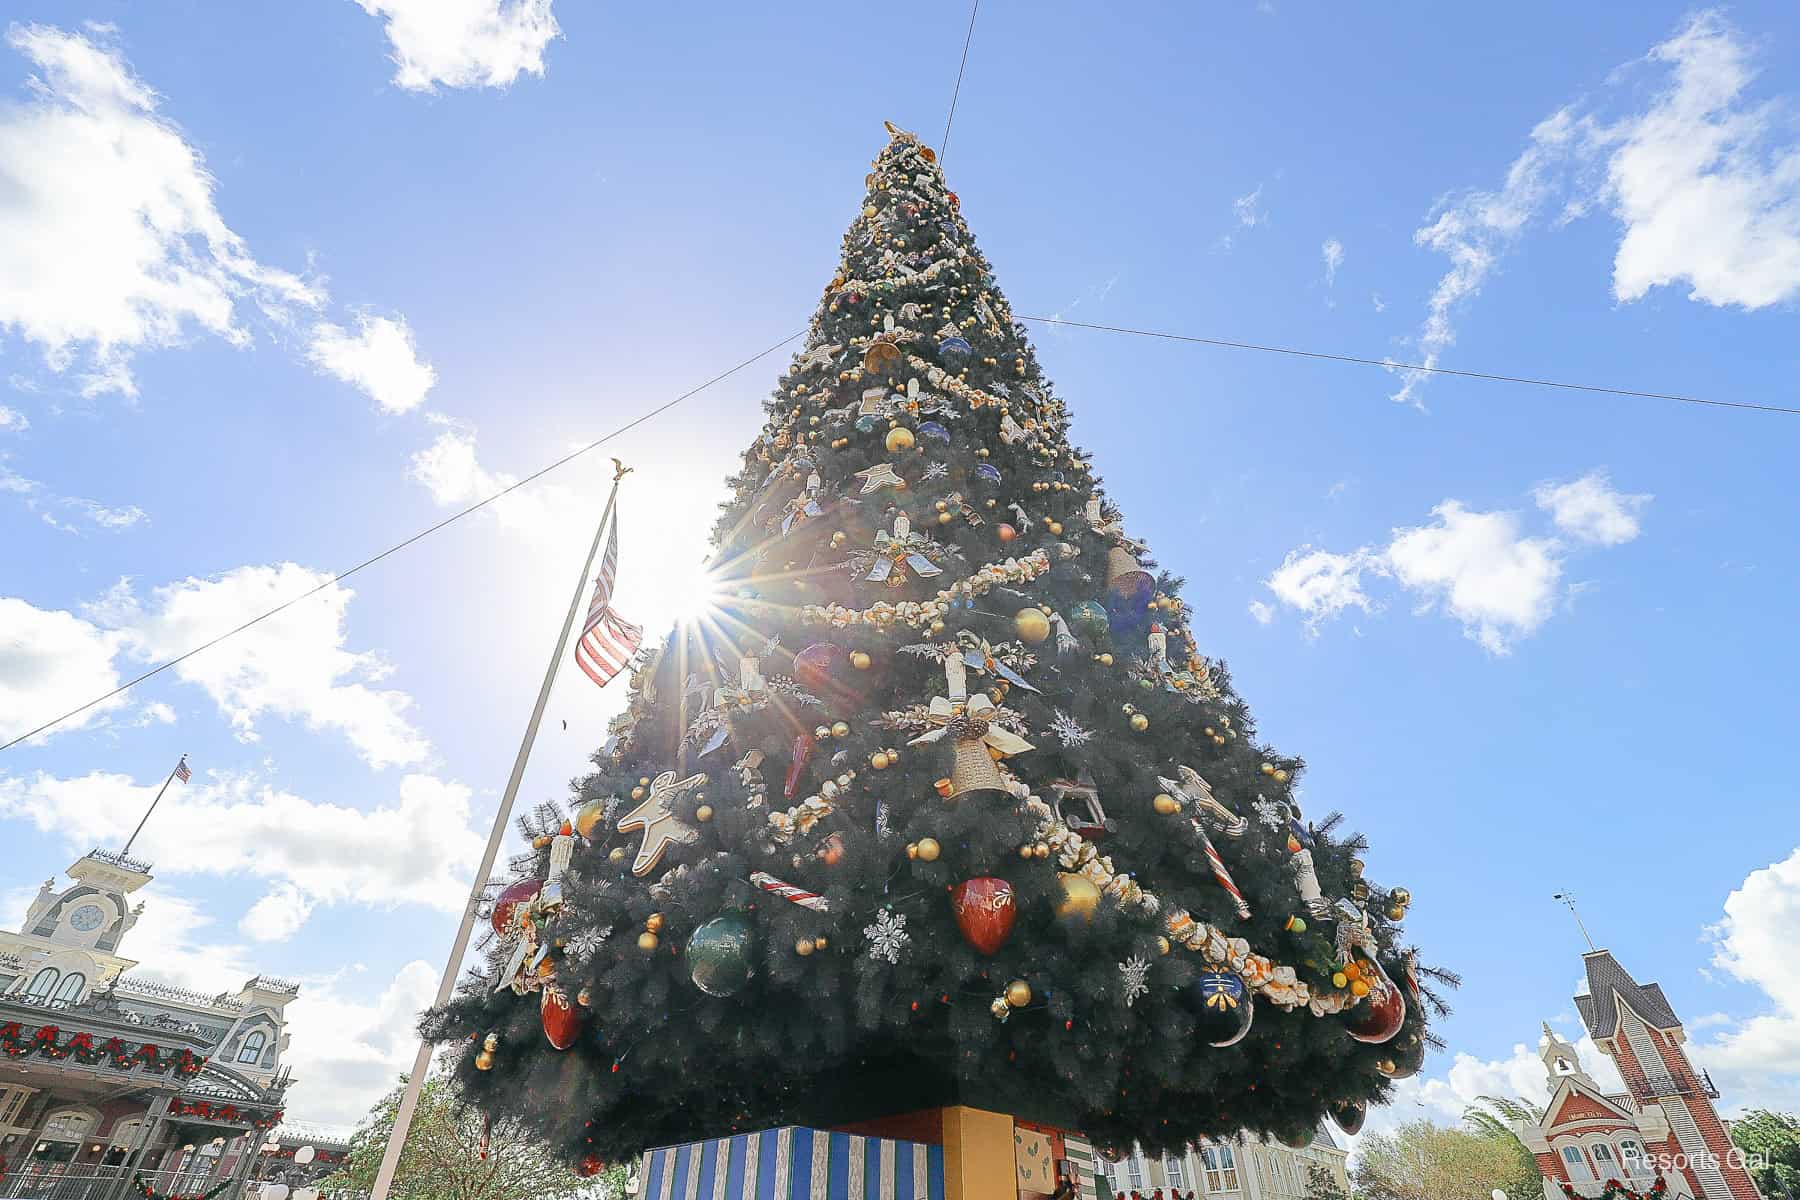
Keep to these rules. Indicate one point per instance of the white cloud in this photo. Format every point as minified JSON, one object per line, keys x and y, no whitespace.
{"x":1378,"y":302}
{"x":293,"y":665}
{"x":12,"y":420}
{"x":51,"y":661}
{"x":1704,"y":181}
{"x":1481,"y":568}
{"x":110,"y":241}
{"x":1476,"y":228}
{"x":1261,"y":612}
{"x":67,"y":514}
{"x":464,"y":43}
{"x":1590,"y":510}
{"x":1703,"y":196}
{"x":278,"y":915}
{"x":346,"y":1054}
{"x":1249,"y":209}
{"x":1332,"y":251}
{"x":1758,"y":1060}
{"x":380,"y":358}
{"x":1501,"y":585}
{"x":413,"y":848}
{"x":156,"y":713}
{"x":1321,"y":584}
{"x":450,"y":469}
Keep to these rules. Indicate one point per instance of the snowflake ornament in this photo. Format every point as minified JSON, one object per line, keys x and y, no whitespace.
{"x":1068,"y":731}
{"x":1271,"y":814}
{"x":936,"y":470}
{"x":887,"y":936}
{"x":1136,"y":978}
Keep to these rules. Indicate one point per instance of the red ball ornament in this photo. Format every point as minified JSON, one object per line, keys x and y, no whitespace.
{"x":506,"y":906}
{"x":590,"y":1165}
{"x":562,"y":1020}
{"x":1382,"y":1012}
{"x":984,"y":911}
{"x":1006,"y":532}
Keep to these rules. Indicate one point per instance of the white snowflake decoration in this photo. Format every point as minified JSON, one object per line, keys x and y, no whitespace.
{"x":888,"y":936}
{"x":936,"y":470}
{"x":1136,"y":974}
{"x":1068,"y":731}
{"x":1270,"y":813}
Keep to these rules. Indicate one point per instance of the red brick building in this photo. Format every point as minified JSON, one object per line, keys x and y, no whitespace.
{"x":1664,"y":1120}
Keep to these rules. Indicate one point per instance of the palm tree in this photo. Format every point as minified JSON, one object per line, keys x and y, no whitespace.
{"x":1494,"y":1118}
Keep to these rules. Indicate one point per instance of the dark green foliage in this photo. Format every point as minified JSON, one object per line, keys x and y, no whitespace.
{"x":838,"y":1034}
{"x":1771,"y":1140}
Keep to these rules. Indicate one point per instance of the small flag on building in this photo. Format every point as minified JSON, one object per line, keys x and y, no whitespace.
{"x":181,"y":770}
{"x":607,"y":640}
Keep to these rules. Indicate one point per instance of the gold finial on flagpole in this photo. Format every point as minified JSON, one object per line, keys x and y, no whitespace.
{"x":620,"y":470}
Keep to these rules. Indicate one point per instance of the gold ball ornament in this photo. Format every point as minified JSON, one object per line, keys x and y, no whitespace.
{"x":1166,"y":804}
{"x":1268,"y":768}
{"x":1081,"y":896}
{"x":1139,"y":722}
{"x":1031,"y":625}
{"x":491,"y":1042}
{"x":1018,"y":993}
{"x":1359,"y":987}
{"x":1055,"y":527}
{"x":820,"y":943}
{"x":484,"y":1061}
{"x":647,"y":941}
{"x":803,"y":947}
{"x":637,"y":793}
{"x":1281,"y":776}
{"x":1397,"y":912}
{"x":898,"y":439}
{"x":840,"y":729}
{"x":860,"y":660}
{"x":879,"y":760}
{"x":704,"y":813}
{"x":616,"y":854}
{"x":1400,"y":895}
{"x":929,"y":850}
{"x":1339,"y":979}
{"x":1105,"y":660}
{"x":654,"y":922}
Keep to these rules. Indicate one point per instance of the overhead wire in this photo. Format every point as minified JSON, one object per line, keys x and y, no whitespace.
{"x":401,"y":545}
{"x":1391,"y":365}
{"x":944,"y":145}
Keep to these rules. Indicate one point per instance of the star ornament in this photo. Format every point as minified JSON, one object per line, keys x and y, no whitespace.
{"x":655,"y":815}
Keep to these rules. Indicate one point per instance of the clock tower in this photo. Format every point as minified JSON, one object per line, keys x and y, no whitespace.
{"x":69,"y":941}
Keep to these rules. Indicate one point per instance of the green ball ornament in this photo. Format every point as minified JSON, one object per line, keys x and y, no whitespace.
{"x":1090,"y":617}
{"x":719,"y":954}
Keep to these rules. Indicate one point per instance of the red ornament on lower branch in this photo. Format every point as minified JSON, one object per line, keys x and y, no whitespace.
{"x":1382,"y":1012}
{"x":984,"y":911}
{"x":562,"y":1020}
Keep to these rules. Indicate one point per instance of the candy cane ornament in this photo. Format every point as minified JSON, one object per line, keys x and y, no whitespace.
{"x":1221,"y":874}
{"x":792,"y":894}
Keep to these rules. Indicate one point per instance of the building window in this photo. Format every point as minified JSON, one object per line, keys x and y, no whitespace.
{"x":1173,"y":1167}
{"x":1134,"y":1166}
{"x":253,"y":1047}
{"x":69,"y":1125}
{"x":126,"y":1134}
{"x":1603,"y":1160}
{"x":1221,"y":1168}
{"x":44,"y":984}
{"x":12,"y":1103}
{"x":1576,"y":1165}
{"x":1633,"y":1155}
{"x":72,"y":986}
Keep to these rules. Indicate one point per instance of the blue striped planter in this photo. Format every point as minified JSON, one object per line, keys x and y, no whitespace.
{"x":792,"y":1163}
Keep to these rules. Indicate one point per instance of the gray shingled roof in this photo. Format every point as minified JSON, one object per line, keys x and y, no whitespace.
{"x":1607,"y":980}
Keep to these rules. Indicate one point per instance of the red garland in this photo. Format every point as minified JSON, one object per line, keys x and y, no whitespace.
{"x":1615,"y":1190}
{"x":225,"y":1112}
{"x":47,"y":1043}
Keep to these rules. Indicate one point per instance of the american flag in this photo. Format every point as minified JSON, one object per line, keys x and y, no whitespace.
{"x":607,"y":640}
{"x":181,"y":770}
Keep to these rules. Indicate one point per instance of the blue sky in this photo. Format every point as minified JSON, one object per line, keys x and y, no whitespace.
{"x":280,"y":285}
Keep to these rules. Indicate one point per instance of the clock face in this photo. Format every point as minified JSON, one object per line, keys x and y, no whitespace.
{"x":87,"y":918}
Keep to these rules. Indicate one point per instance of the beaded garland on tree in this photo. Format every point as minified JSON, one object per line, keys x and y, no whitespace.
{"x":970,"y":631}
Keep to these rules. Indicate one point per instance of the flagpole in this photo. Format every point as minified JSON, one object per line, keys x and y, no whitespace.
{"x":409,"y":1099}
{"x":159,"y":795}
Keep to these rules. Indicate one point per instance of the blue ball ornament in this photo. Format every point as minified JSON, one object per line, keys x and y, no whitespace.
{"x":987,"y":472}
{"x":1222,"y":1002}
{"x":719,"y":954}
{"x":934,"y":431}
{"x":955,"y":352}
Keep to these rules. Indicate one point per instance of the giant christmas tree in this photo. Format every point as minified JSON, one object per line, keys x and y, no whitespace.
{"x":942,"y":804}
